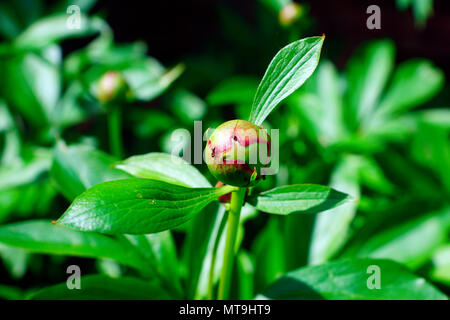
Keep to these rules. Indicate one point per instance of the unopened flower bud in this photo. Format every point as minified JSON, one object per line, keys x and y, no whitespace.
{"x":236,"y":152}
{"x":112,"y":88}
{"x":290,"y":13}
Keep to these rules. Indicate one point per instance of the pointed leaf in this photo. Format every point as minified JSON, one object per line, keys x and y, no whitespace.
{"x":40,"y":236}
{"x":298,"y":198}
{"x":137,"y":206}
{"x":79,"y":167}
{"x":99,"y":287}
{"x":164,"y":167}
{"x":367,"y":75}
{"x":349,"y":279}
{"x":288,"y":70}
{"x":331,"y":228}
{"x":414,"y":82}
{"x":412,"y":243}
{"x":55,"y":28}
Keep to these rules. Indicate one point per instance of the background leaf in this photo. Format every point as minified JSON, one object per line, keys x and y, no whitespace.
{"x":160,"y":251}
{"x":31,"y":84}
{"x":320,"y":105}
{"x":412,"y":243}
{"x":97,"y":287}
{"x":268,"y":251}
{"x":54,"y":28}
{"x":331,"y":227}
{"x":238,"y":90}
{"x":79,"y":167}
{"x":347,"y":279}
{"x":40,"y":236}
{"x":367,"y":75}
{"x":440,"y":270}
{"x":164,"y":167}
{"x":414,"y":82}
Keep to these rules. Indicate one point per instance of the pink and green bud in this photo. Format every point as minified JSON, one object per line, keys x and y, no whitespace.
{"x":236,"y":152}
{"x":112,"y":88}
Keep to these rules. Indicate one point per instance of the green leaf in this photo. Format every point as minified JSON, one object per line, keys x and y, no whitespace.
{"x":296,"y":232}
{"x":299,"y":198}
{"x":367,"y":75}
{"x":414,"y":82}
{"x":99,"y":287}
{"x":149,"y":123}
{"x":237,"y":90}
{"x":19,"y":174}
{"x":164,"y":167}
{"x":31,"y":84}
{"x":6,"y":119}
{"x":320,"y":105}
{"x":350,"y":279}
{"x":288,"y":70}
{"x":75,"y":106}
{"x":79,"y":167}
{"x":422,"y":9}
{"x":372,"y":176}
{"x":436,"y":117}
{"x":201,"y":236}
{"x":431,"y":148}
{"x":440,"y":270}
{"x":137,"y":206}
{"x":85,"y":5}
{"x":10,"y":293}
{"x":245,"y":272}
{"x":204,"y":233}
{"x":55,"y":28}
{"x":412,"y":243}
{"x":269,"y":254}
{"x":9,"y":24}
{"x":187,"y":106}
{"x":160,"y":251}
{"x":40,"y":236}
{"x":15,"y":260}
{"x":331,"y":228}
{"x":146,"y":84}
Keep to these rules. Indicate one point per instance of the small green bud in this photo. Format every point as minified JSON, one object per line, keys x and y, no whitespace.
{"x":112,"y":88}
{"x":236,"y":152}
{"x":290,"y":13}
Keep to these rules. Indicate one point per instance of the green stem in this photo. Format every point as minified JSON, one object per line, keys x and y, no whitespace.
{"x":237,"y":200}
{"x":115,"y":131}
{"x":223,"y":222}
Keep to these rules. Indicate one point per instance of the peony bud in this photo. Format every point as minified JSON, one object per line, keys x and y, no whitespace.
{"x":112,"y":88}
{"x":237,"y":151}
{"x":290,"y":13}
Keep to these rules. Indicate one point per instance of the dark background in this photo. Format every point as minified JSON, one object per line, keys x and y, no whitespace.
{"x":173,"y":29}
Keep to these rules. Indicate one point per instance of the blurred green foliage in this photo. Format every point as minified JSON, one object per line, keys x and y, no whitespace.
{"x":371,"y":130}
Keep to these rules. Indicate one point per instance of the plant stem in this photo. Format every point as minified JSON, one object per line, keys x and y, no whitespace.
{"x":115,"y":131}
{"x":237,"y":200}
{"x":223,"y":222}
